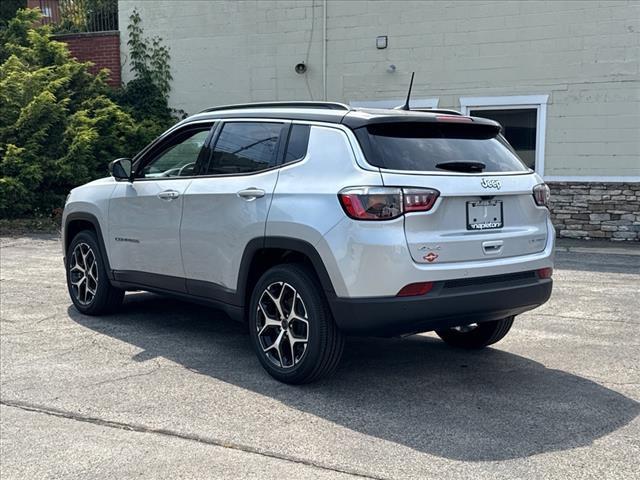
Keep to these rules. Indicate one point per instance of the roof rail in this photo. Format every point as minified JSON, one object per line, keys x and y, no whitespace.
{"x":309,"y":104}
{"x":437,"y":110}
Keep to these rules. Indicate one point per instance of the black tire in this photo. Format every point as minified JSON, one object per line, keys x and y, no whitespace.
{"x":484,"y":334}
{"x":107,"y":298}
{"x":302,"y":363}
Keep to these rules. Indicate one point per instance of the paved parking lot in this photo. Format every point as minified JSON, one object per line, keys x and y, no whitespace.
{"x":168,"y":389}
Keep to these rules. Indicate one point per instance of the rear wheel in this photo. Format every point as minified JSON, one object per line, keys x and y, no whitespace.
{"x":291,"y":327}
{"x":476,"y":335}
{"x":87,"y":281}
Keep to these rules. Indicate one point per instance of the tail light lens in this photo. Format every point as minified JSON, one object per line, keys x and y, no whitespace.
{"x":372,"y":203}
{"x":385,"y":203}
{"x":419,"y":199}
{"x":542,"y":195}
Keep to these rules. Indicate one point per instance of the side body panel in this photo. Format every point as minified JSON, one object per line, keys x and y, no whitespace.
{"x":144,"y":229}
{"x":217,"y":225}
{"x":305,"y":203}
{"x":91,"y":199}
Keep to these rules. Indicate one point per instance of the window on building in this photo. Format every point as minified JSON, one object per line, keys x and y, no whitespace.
{"x":245,"y":147}
{"x":523,"y":118}
{"x":519,"y":128}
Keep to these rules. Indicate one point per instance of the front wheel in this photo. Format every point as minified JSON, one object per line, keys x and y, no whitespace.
{"x":87,"y":280}
{"x":476,"y":335}
{"x":291,"y":327}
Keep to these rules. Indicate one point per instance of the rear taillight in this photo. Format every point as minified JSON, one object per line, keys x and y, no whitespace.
{"x":542,"y":195}
{"x":385,"y":203}
{"x":419,"y":199}
{"x":372,"y":203}
{"x":545,"y":272}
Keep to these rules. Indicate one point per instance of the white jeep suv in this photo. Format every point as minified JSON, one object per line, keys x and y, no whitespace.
{"x":314,"y":220}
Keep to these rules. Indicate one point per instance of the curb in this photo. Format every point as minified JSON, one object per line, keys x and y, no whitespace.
{"x":600,"y":250}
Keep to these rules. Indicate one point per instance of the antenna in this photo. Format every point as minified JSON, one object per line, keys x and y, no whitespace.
{"x":406,"y":103}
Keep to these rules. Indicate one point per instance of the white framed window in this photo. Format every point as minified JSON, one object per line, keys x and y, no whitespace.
{"x":524,"y":119}
{"x":414,"y":102}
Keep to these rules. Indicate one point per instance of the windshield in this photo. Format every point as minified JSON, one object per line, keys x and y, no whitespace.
{"x":433,"y":147}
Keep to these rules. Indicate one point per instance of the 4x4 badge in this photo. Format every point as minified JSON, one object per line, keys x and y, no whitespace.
{"x":491,"y":183}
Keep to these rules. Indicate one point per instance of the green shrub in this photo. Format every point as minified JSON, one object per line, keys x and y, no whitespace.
{"x":60,"y":125}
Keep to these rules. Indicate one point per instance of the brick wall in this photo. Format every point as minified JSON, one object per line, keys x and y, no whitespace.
{"x":596,"y":210}
{"x":100,"y":48}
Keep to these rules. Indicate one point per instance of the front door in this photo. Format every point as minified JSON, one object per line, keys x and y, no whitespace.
{"x":145,"y":215}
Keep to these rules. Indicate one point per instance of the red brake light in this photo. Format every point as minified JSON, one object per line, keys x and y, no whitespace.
{"x":385,"y":203}
{"x":542,"y":195}
{"x":371,"y":203}
{"x":419,"y":199}
{"x":545,"y":272}
{"x":453,"y":118}
{"x":414,"y":289}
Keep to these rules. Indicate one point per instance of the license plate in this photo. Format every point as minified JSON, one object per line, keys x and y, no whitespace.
{"x":484,"y":215}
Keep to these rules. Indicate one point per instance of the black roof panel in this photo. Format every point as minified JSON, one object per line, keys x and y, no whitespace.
{"x":325,"y":112}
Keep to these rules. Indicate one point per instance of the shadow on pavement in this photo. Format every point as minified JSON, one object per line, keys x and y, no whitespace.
{"x":417,"y":392}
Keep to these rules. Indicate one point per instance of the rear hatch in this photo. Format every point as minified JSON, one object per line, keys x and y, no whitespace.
{"x":486,"y":208}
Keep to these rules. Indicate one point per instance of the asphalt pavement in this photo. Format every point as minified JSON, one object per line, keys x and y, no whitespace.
{"x":166,"y":389}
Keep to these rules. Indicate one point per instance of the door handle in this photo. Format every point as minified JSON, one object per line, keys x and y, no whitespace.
{"x":252,"y":193}
{"x":168,"y":195}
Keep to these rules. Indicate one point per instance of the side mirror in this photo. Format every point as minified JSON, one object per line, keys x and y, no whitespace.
{"x":120,"y":169}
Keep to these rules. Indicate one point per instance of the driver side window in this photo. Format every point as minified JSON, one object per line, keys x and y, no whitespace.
{"x":179,"y":159}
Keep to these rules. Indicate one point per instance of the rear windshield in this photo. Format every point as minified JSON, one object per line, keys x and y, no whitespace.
{"x":433,"y":147}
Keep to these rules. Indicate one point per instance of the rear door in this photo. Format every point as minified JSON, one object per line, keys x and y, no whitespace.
{"x":226,"y":206}
{"x":486,"y":207}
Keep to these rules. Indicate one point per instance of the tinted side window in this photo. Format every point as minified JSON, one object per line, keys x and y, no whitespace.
{"x":245,"y":147}
{"x":298,"y":143}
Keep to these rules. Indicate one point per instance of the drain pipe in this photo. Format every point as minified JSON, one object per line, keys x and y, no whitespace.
{"x":324,"y":51}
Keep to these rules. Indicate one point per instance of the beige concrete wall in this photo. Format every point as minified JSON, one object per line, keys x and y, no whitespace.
{"x":584,"y":54}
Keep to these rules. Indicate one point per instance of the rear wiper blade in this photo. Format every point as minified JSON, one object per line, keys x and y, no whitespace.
{"x":462,"y":166}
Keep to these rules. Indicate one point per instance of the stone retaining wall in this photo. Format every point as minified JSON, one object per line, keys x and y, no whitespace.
{"x":596,"y":210}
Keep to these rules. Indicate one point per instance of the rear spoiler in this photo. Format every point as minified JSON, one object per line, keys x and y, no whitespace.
{"x":362,"y":118}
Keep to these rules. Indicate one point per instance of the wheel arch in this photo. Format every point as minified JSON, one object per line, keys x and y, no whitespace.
{"x":260,"y":254}
{"x":75,"y":223}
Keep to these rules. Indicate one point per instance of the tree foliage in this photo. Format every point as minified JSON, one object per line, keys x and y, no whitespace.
{"x":60,"y":125}
{"x":146,"y":95}
{"x":8,"y":9}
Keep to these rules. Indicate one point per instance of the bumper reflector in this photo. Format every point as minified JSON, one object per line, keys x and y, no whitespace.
{"x":545,"y":272}
{"x":415,"y":289}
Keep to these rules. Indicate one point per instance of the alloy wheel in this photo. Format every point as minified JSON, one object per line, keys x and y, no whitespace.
{"x":83,"y":274}
{"x":282,"y":325}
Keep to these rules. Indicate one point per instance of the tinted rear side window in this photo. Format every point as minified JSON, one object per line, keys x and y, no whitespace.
{"x":298,"y":143}
{"x":421,"y":147}
{"x":245,"y":147}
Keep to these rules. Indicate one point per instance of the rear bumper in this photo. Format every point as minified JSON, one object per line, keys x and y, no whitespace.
{"x":449,"y":304}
